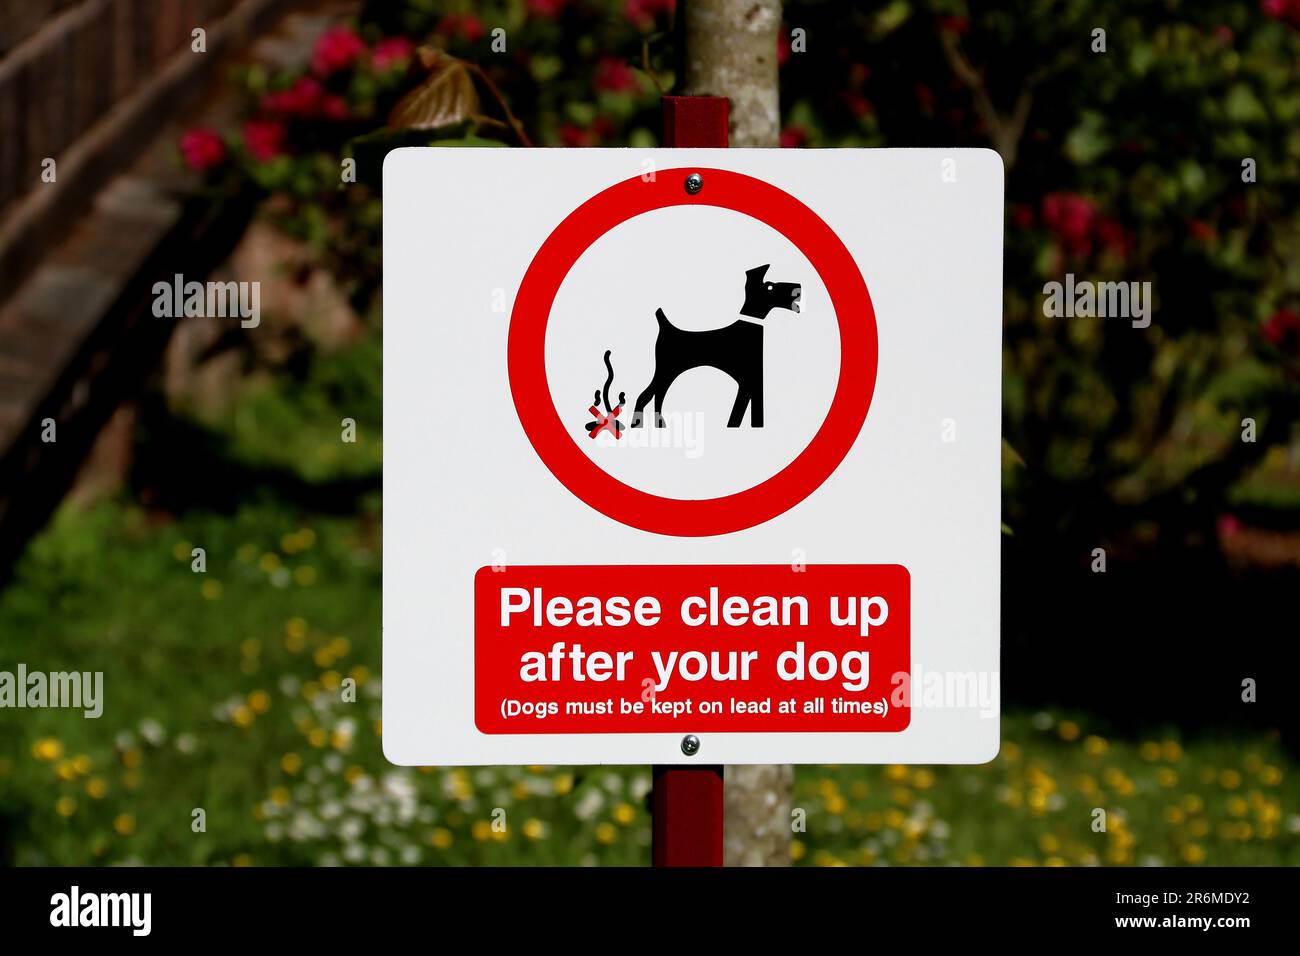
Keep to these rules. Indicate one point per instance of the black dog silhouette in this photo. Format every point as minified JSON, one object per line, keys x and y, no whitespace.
{"x":736,"y":349}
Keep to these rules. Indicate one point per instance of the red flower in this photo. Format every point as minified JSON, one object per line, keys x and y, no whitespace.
{"x":858,"y":104}
{"x":264,"y":139}
{"x":1201,"y":231}
{"x":202,"y":149}
{"x":783,"y":48}
{"x":643,"y":12}
{"x":1281,"y":325}
{"x":303,"y":99}
{"x":958,"y":25}
{"x":792,"y":137}
{"x":1229,"y":526}
{"x":467,"y":26}
{"x":391,"y":52}
{"x":1071,"y":218}
{"x":337,"y":49}
{"x":1114,"y":236}
{"x":547,"y":9}
{"x":571,"y":135}
{"x":614,"y":76}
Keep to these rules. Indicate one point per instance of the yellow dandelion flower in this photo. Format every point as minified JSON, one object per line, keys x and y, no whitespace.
{"x":360,"y":674}
{"x":606,"y":833}
{"x":96,"y":788}
{"x":310,"y":690}
{"x":1068,"y":730}
{"x":534,"y":829}
{"x":295,"y":627}
{"x":923,"y":779}
{"x":1237,"y":807}
{"x":562,"y":784}
{"x":1192,"y":803}
{"x":836,"y":805}
{"x":323,"y":657}
{"x":1175,"y":815}
{"x":242,"y":716}
{"x":210,"y":589}
{"x":896,"y":772}
{"x":1167,"y":778}
{"x":1171,"y":751}
{"x":1230,"y":779}
{"x":182,"y":550}
{"x":1270,"y":776}
{"x":974,"y":859}
{"x":291,"y":763}
{"x":124,"y":824}
{"x":481,"y":830}
{"x":318,"y":737}
{"x":47,"y":748}
{"x":1199,"y":827}
{"x":65,"y":770}
{"x":259,"y":701}
{"x":1149,"y":751}
{"x":250,"y":647}
{"x":797,"y":850}
{"x":269,"y":562}
{"x":624,"y":813}
{"x":1010,"y":752}
{"x":894,"y":818}
{"x":441,"y":838}
{"x":353,"y":774}
{"x":1054,"y":861}
{"x":1193,"y":853}
{"x":1049,"y":843}
{"x":520,"y":790}
{"x":132,"y":757}
{"x":65,"y":806}
{"x":280,"y":796}
{"x":241,"y":860}
{"x":1094,"y":746}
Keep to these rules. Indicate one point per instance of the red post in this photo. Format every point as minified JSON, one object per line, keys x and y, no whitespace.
{"x":687,"y":806}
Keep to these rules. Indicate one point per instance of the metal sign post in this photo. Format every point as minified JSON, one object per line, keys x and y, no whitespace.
{"x":687,"y":807}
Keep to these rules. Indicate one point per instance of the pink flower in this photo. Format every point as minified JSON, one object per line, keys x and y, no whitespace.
{"x":571,"y":135}
{"x":547,"y":9}
{"x":337,"y":49}
{"x":1281,"y":325}
{"x":303,"y":99}
{"x":1229,"y":526}
{"x":202,"y":149}
{"x":467,"y":26}
{"x":391,"y":52}
{"x":264,"y":139}
{"x":614,"y":76}
{"x":792,"y":137}
{"x":1071,"y":218}
{"x":643,"y":12}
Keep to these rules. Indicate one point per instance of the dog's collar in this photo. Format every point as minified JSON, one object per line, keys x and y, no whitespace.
{"x":745,"y":318}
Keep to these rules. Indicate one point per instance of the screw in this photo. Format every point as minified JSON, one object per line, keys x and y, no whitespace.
{"x":694,"y":183}
{"x":690,"y":745}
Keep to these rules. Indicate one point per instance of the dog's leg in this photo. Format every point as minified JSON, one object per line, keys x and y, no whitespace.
{"x":650,"y":392}
{"x":756,"y":404}
{"x":659,"y":404}
{"x":738,"y":409}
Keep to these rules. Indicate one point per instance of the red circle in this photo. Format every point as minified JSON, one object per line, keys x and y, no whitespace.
{"x":526,"y":358}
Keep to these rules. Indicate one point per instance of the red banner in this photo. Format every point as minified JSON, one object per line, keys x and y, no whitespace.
{"x":691,"y":648}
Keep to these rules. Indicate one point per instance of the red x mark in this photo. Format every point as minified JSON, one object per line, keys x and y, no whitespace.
{"x":605,"y":422}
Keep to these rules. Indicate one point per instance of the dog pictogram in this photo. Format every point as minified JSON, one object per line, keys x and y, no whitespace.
{"x":736,"y":349}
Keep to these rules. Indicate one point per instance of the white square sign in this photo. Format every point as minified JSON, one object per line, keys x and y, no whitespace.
{"x":691,"y":456}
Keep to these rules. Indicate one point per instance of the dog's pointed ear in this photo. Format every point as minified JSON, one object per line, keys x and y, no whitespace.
{"x":758,"y":272}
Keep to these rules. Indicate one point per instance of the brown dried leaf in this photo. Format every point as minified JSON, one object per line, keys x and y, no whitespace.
{"x":445,"y":98}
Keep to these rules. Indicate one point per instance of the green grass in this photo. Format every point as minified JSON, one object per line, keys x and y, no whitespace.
{"x":223,"y":692}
